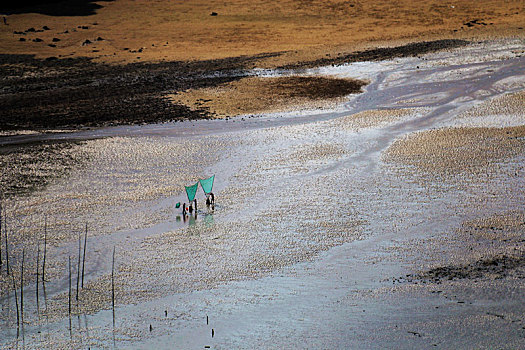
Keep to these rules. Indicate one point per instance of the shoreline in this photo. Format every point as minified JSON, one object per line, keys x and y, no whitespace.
{"x":75,"y":93}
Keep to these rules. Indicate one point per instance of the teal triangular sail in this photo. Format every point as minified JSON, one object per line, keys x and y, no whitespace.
{"x":191,"y":191}
{"x":207,"y":184}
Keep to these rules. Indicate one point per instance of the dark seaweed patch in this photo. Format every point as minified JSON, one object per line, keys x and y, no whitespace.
{"x":497,"y":267}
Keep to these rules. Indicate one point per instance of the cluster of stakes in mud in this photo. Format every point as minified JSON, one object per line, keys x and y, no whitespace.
{"x":18,"y":291}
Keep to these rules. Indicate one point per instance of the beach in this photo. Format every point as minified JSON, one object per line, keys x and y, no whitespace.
{"x":369,"y":183}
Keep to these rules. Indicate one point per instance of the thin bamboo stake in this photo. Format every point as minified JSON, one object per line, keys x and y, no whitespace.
{"x":84,"y":255}
{"x":37,"y":277}
{"x":69,"y":258}
{"x":45,"y":298}
{"x":16,"y":303}
{"x":1,"y":262}
{"x":6,"y":245}
{"x":70,"y":329}
{"x":45,"y":250}
{"x":78,"y":265}
{"x":113,"y":286}
{"x":22,"y":288}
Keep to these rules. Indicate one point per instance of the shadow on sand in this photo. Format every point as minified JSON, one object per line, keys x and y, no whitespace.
{"x":52,"y":8}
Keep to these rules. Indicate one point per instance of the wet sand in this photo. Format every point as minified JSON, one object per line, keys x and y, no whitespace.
{"x":443,"y":150}
{"x":365,"y":227}
{"x":388,"y":218}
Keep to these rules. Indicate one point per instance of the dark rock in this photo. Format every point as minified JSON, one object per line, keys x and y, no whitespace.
{"x":213,"y":14}
{"x":22,"y":39}
{"x":51,"y":45}
{"x":37,"y":40}
{"x":99,"y":39}
{"x":86,"y":42}
{"x":30,"y":30}
{"x":417,"y":334}
{"x":45,"y":28}
{"x":55,"y":40}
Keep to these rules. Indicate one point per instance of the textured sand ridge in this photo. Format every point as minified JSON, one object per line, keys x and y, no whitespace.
{"x":459,"y":149}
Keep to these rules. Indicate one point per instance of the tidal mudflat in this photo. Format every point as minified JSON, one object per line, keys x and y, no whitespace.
{"x":392,"y":219}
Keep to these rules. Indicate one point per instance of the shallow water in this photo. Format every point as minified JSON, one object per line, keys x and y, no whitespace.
{"x":305,"y":235}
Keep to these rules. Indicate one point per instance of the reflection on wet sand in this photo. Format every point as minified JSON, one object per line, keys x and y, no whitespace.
{"x":328,"y":192}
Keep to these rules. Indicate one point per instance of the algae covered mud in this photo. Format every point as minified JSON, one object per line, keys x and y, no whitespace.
{"x":394,"y":220}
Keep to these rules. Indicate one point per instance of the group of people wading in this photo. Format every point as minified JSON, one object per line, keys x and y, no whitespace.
{"x":191,"y":191}
{"x":210,"y":203}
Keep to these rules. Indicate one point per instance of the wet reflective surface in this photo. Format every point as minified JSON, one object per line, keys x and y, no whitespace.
{"x":313,"y":221}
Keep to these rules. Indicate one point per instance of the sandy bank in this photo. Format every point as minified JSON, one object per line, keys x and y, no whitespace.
{"x":273,"y":94}
{"x":134,"y":31}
